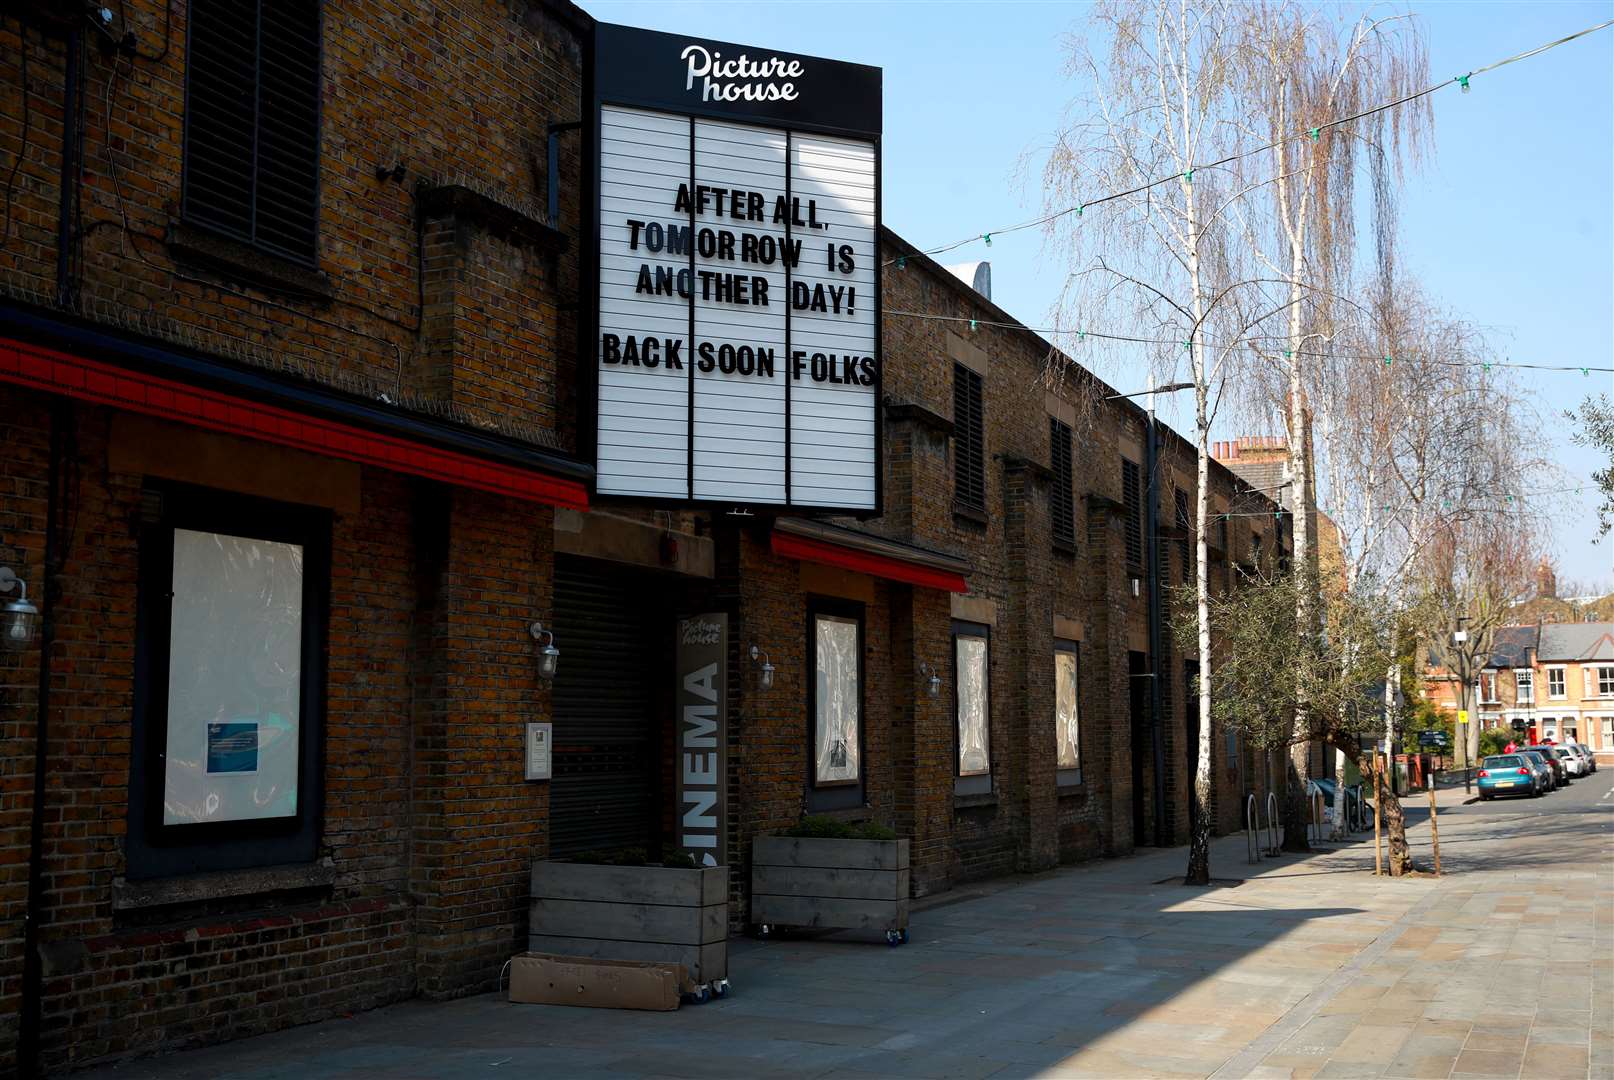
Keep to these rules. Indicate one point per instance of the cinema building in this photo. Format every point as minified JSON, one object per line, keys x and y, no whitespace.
{"x":355,"y":559}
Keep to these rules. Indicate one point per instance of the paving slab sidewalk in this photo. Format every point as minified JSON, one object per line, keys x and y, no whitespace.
{"x":1309,"y":967}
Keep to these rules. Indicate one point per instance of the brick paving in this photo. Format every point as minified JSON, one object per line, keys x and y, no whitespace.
{"x":1309,"y":968}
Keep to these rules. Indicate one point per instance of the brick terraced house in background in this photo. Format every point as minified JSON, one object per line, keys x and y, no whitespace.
{"x":290,"y":395}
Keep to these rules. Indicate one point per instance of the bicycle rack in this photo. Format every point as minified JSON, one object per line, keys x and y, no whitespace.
{"x":1358,"y":820}
{"x":1252,"y":842}
{"x":1315,"y":804}
{"x":1272,"y":824}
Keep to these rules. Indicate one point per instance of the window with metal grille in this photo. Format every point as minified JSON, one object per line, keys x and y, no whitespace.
{"x":969,"y":439}
{"x":252,"y":123}
{"x":1181,"y":498}
{"x":1062,"y":502}
{"x":1132,"y":499}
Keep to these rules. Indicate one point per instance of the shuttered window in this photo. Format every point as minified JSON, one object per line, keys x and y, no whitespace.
{"x":252,"y":123}
{"x":1062,"y":501}
{"x":1132,"y":499}
{"x":1186,"y":528}
{"x":969,"y":439}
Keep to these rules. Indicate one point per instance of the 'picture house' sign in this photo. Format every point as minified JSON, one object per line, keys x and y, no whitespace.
{"x":738,"y":332}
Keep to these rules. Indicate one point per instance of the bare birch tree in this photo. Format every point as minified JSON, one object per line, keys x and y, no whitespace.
{"x":1158,"y":252}
{"x":1309,"y":74}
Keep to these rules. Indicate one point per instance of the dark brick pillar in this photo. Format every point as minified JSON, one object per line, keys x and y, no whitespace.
{"x":478,"y":824}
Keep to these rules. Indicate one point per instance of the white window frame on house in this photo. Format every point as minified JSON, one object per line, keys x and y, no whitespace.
{"x":1605,"y":681}
{"x":1481,"y":686}
{"x":1608,"y":731}
{"x":1524,"y":686}
{"x":1557,"y":675}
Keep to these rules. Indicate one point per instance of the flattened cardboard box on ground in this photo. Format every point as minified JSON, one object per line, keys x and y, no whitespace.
{"x":545,"y":979}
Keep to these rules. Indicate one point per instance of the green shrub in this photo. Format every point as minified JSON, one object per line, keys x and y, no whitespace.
{"x":824,"y":827}
{"x":679,"y":860}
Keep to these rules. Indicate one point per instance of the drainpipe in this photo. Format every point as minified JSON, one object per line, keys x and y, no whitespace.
{"x":1151,"y":557}
{"x":72,"y":139}
{"x":32,"y":1007}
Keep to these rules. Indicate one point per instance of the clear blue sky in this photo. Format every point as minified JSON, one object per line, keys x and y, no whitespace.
{"x":1510,"y":225}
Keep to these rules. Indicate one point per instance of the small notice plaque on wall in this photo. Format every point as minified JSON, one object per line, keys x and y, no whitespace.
{"x":539,"y":738}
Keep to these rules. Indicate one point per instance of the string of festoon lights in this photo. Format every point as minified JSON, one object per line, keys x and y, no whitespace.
{"x":1187,"y":176}
{"x":1387,"y":361}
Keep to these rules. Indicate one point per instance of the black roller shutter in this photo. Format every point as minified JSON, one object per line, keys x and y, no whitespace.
{"x":603,"y":792}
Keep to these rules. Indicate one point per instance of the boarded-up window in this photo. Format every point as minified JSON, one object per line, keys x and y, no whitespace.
{"x":838,"y":700}
{"x":1067,"y":718}
{"x":973,"y":682}
{"x":969,"y":439}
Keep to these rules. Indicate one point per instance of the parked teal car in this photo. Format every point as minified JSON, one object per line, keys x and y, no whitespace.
{"x":1507,"y":774}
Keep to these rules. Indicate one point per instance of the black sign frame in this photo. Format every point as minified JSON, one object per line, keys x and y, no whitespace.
{"x":637,"y":68}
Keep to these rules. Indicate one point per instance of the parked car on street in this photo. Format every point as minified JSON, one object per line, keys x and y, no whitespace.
{"x":1559,"y":773}
{"x":1508,"y":774}
{"x":1543,"y":768}
{"x":1573,"y":765}
{"x":1586,"y":756}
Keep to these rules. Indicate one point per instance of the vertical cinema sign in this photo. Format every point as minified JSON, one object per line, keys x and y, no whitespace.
{"x":702,"y":660}
{"x":737,"y":334}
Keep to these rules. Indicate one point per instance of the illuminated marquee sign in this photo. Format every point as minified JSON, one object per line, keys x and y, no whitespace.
{"x":737,"y":334}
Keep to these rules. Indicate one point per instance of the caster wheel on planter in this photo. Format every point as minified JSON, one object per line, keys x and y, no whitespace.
{"x":893,"y":938}
{"x":720,"y":988}
{"x":702,"y":994}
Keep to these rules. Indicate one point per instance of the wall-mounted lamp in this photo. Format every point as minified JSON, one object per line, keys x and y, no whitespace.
{"x":932,"y":680}
{"x":20,"y":616}
{"x":548,"y":655}
{"x":765,"y":675}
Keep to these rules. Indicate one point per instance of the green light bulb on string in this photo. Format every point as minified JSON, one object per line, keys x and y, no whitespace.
{"x":1188,"y":177}
{"x":1080,"y":208}
{"x":1315,"y":133}
{"x":988,"y":239}
{"x":972,"y":324}
{"x":1462,"y":81}
{"x":1081,"y":335}
{"x":1388,"y":360}
{"x":1287,"y":355}
{"x":902,"y":262}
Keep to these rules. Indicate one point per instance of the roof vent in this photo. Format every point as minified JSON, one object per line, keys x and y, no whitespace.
{"x":977,"y":275}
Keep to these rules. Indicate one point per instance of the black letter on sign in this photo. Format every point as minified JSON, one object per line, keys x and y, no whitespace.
{"x":611,"y":349}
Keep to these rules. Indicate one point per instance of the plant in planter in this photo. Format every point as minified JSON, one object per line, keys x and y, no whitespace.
{"x":616,"y":905}
{"x":825,"y":873}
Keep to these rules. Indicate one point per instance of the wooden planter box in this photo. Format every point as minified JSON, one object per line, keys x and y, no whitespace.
{"x":649,"y":913}
{"x":845,"y":884}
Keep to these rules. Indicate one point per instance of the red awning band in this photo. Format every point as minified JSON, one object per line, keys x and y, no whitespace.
{"x":865,"y":562}
{"x":106,"y":384}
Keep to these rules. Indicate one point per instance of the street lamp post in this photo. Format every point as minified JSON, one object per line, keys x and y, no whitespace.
{"x":1459,"y":640}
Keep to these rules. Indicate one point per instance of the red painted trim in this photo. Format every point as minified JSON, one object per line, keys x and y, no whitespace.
{"x":104,"y":384}
{"x":863,"y":562}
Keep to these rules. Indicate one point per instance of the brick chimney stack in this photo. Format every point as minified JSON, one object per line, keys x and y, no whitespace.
{"x":1546,"y":579}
